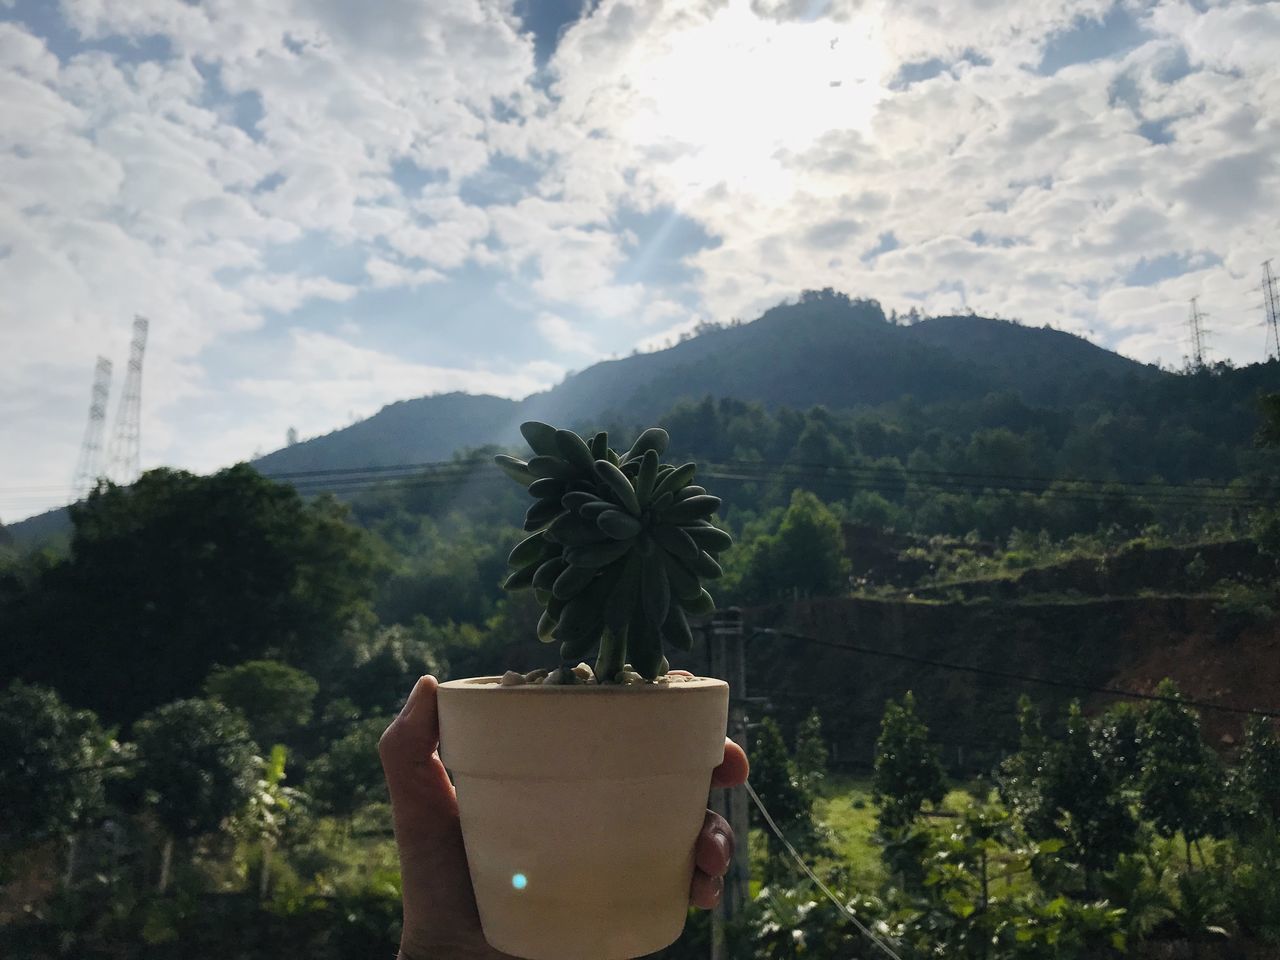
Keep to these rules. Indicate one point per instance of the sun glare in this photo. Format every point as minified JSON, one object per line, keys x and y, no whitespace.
{"x":724,"y":98}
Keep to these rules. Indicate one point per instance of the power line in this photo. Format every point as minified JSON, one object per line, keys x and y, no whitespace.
{"x":1020,"y":677}
{"x":843,"y":908}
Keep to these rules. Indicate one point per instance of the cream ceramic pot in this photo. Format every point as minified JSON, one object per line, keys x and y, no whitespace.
{"x":580,"y":807}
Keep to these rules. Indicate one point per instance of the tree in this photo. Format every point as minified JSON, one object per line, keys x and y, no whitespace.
{"x":1258,"y":776}
{"x":270,"y":808}
{"x":805,"y":556}
{"x":1083,"y":797}
{"x":179,"y":572}
{"x":196,"y":767}
{"x":52,"y":768}
{"x":774,"y":777}
{"x":275,"y":698}
{"x":811,"y":752}
{"x":908,"y":773}
{"x":1179,"y":785}
{"x":349,"y":776}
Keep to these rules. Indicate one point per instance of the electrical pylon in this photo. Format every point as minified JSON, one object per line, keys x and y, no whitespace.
{"x":1271,"y":306}
{"x":89,"y":466}
{"x":126,"y":437}
{"x":1198,"y":336}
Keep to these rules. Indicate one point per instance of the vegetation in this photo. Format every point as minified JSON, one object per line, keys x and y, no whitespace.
{"x":620,"y":545}
{"x":204,"y":667}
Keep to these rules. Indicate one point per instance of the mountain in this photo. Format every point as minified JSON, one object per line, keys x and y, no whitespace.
{"x":826,"y":349}
{"x":409,"y":431}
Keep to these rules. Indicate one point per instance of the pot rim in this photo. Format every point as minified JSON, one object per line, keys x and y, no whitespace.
{"x":582,"y":689}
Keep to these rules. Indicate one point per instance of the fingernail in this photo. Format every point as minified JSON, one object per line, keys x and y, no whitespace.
{"x":725,"y":844}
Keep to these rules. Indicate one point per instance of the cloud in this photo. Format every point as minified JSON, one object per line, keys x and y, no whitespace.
{"x":321,"y":204}
{"x":561,"y":334}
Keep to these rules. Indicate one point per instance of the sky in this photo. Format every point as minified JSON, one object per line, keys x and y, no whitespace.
{"x":325,"y":206}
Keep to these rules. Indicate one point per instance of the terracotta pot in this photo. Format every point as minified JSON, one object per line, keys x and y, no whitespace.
{"x":580,"y":807}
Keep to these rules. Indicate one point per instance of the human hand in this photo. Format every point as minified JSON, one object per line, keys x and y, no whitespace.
{"x":440,"y":917}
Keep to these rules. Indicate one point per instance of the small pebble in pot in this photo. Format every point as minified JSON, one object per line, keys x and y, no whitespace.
{"x":585,"y":673}
{"x":512,"y":679}
{"x":536,"y":676}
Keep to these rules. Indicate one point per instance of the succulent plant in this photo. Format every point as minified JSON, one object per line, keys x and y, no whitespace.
{"x":619,"y":547}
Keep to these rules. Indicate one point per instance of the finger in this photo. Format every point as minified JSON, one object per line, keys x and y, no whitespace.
{"x":714,"y":848}
{"x":735,"y":768}
{"x":705,"y":891}
{"x":415,"y":776}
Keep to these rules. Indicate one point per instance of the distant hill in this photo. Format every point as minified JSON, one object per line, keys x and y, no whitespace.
{"x":409,"y":431}
{"x":825,"y":349}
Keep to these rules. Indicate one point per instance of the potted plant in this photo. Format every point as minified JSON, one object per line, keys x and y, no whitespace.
{"x":581,"y":789}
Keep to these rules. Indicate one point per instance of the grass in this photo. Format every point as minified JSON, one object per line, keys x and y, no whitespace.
{"x":845,"y":810}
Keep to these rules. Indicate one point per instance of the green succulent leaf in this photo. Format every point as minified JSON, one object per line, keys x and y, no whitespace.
{"x":546,"y":575}
{"x":701,"y":606}
{"x":575,"y":450}
{"x":626,"y":589}
{"x":661,"y":503}
{"x":673,"y":481}
{"x":579,"y":647}
{"x":675,"y":541}
{"x":575,"y":500}
{"x":547,"y":488}
{"x":676,"y":629}
{"x":597,"y":554}
{"x":695,"y":508}
{"x":573,"y":531}
{"x":546,"y":627}
{"x":646,"y":477}
{"x":541,"y":437}
{"x":599,"y":445}
{"x":644,"y":645}
{"x":684,"y":582}
{"x":543,"y":466}
{"x":526,"y":551}
{"x":517,"y":470}
{"x":619,"y":484}
{"x":655,"y":590}
{"x":692,"y":490}
{"x":541,"y":513}
{"x":592,"y":510}
{"x":710,"y":539}
{"x":521,"y":579}
{"x":706,"y":566}
{"x":572,"y":582}
{"x":618,"y":525}
{"x":655,"y":439}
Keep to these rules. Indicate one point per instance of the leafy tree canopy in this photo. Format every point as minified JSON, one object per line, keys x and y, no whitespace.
{"x":275,"y":698}
{"x":196,"y":765}
{"x":52,"y":762}
{"x":179,"y":572}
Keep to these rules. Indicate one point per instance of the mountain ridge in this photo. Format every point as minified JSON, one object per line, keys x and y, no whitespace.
{"x":824,"y":349}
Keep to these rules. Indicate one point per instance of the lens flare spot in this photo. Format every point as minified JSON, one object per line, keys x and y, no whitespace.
{"x":519,"y":881}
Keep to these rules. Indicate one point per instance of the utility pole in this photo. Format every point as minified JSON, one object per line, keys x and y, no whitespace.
{"x":725,"y":647}
{"x":1271,"y":306}
{"x":1195,"y":321}
{"x":89,"y":466}
{"x":126,"y":438}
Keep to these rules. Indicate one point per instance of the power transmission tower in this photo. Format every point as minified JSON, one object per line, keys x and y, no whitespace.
{"x":89,"y":466}
{"x":1199,"y":334}
{"x":126,"y":436}
{"x":1271,"y":304}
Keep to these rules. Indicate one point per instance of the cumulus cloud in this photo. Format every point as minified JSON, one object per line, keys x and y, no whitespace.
{"x":346,"y":188}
